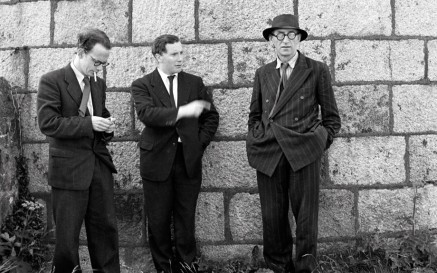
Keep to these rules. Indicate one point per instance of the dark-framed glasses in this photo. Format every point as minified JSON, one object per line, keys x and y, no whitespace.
{"x":281,"y":35}
{"x":98,"y":63}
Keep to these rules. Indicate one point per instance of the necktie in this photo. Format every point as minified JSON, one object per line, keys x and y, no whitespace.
{"x":281,"y":86}
{"x":284,"y":77}
{"x":172,"y":100}
{"x":85,"y":96}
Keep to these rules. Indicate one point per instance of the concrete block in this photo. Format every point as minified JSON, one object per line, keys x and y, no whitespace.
{"x":336,"y":215}
{"x":241,"y":19}
{"x":249,"y":56}
{"x":209,"y":61}
{"x":12,"y":65}
{"x":71,"y":17}
{"x":153,"y":18}
{"x":432,"y":60}
{"x":25,"y":24}
{"x":136,"y":259}
{"x":407,"y":60}
{"x":367,"y":161}
{"x":385,"y":210}
{"x":224,"y":253}
{"x":351,"y":18}
{"x":129,"y":210}
{"x":319,"y":50}
{"x":128,"y":64}
{"x":423,"y":158}
{"x":233,"y":107}
{"x":44,"y":60}
{"x":359,"y":60}
{"x":225,"y":166}
{"x":120,"y":106}
{"x":363,"y":108}
{"x":210,"y":217}
{"x":414,"y":108}
{"x":245,"y":217}
{"x":126,"y":157}
{"x":426,"y":207}
{"x":29,"y":119}
{"x":37,"y":158}
{"x":412,"y":16}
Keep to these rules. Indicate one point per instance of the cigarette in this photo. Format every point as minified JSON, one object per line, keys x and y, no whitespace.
{"x":95,"y":77}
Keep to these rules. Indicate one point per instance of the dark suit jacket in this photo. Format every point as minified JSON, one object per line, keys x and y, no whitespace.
{"x":160,"y":135}
{"x":293,"y":128}
{"x":73,"y":144}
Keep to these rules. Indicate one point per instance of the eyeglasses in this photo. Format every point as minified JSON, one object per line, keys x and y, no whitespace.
{"x":281,"y":35}
{"x":98,"y":63}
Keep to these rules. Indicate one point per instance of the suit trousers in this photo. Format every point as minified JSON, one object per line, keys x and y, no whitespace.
{"x":299,"y":189}
{"x":176,"y":198}
{"x":96,"y":206}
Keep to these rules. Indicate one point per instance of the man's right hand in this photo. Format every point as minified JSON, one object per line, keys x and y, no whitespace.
{"x":100,"y":124}
{"x":192,"y":109}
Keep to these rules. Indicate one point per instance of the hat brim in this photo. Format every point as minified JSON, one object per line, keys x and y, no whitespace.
{"x":267,"y":31}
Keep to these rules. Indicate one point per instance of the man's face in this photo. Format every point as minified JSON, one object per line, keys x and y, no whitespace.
{"x":286,"y":48}
{"x":170,"y":62}
{"x":93,"y":60}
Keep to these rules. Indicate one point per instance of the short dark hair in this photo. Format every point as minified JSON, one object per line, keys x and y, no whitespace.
{"x":88,"y":38}
{"x":158,"y":46}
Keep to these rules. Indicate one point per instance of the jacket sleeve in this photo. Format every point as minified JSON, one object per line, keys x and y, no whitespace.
{"x":49,"y":112}
{"x":148,"y":113}
{"x":209,"y":119}
{"x":326,"y":99}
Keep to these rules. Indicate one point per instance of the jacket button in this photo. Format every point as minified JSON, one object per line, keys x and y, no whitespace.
{"x":267,"y":101}
{"x":302,"y":97}
{"x":296,"y":119}
{"x":174,"y":143}
{"x":271,"y":120}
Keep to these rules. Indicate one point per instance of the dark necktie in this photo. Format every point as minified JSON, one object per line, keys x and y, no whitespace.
{"x":173,"y":104}
{"x":282,"y":85}
{"x":85,"y":96}
{"x":284,"y":77}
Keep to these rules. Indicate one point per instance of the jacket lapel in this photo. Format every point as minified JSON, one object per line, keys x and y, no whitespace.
{"x":271,"y":78}
{"x":183,"y":89}
{"x":300,"y":73}
{"x":160,"y":89}
{"x":73,"y":87}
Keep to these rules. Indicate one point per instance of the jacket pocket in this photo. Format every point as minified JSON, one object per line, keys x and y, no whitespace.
{"x":146,"y":146}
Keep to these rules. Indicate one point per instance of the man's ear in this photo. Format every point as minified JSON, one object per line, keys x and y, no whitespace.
{"x":158,"y":57}
{"x":271,"y":42}
{"x":80,"y":52}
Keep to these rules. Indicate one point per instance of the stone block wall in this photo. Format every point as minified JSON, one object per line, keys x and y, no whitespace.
{"x":382,"y":55}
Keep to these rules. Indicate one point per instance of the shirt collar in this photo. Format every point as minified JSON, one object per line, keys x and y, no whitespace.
{"x":291,"y":62}
{"x":79,"y":75}
{"x":164,"y":75}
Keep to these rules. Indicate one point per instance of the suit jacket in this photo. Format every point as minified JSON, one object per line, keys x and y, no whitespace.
{"x":73,"y":145}
{"x":293,"y":127}
{"x":160,"y":135}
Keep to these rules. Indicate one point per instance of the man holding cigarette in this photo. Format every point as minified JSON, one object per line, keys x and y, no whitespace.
{"x":72,"y":114}
{"x":180,"y":121}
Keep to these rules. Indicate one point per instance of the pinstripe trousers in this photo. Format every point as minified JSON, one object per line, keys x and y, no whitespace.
{"x":301,"y":190}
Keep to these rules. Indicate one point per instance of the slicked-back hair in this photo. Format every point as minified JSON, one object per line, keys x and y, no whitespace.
{"x":88,"y":38}
{"x":158,"y":46}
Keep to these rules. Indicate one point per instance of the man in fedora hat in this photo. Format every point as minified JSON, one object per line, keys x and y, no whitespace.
{"x":285,"y":143}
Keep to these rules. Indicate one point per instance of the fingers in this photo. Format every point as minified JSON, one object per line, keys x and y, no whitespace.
{"x":102,"y":124}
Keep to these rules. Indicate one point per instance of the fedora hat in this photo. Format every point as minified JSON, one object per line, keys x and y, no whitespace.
{"x":285,"y":21}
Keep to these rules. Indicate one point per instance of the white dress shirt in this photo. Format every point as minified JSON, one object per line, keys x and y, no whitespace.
{"x":291,"y":64}
{"x":80,"y":78}
{"x":166,"y":81}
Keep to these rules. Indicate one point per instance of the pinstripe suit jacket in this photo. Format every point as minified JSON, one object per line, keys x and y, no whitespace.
{"x":293,"y":127}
